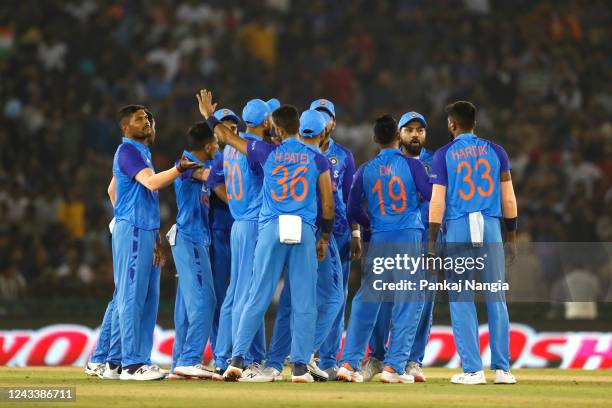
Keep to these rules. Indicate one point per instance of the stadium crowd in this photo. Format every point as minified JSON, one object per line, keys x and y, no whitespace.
{"x":540,"y":73}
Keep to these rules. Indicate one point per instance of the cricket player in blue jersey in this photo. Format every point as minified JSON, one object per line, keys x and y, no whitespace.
{"x":190,"y":241}
{"x":221,"y":221}
{"x":330,"y":292}
{"x":243,"y":180}
{"x":135,"y":235}
{"x":472,"y":190}
{"x":349,"y":242}
{"x":390,"y":185}
{"x":413,"y":132}
{"x":292,"y":172}
{"x":96,"y":366}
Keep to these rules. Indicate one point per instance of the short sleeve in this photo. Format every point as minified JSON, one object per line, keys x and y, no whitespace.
{"x":258,"y":151}
{"x":130,"y":160}
{"x":504,"y":161}
{"x":321,"y":162}
{"x":438,"y":174}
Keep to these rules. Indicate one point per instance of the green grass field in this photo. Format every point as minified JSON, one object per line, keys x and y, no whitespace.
{"x":536,"y":388}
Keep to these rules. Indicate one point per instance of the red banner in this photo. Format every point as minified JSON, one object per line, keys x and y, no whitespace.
{"x":67,"y":344}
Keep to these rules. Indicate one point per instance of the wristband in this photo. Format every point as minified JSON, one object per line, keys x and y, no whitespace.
{"x":212,"y":122}
{"x":327,"y":225}
{"x":356,"y":234}
{"x":510,"y":224}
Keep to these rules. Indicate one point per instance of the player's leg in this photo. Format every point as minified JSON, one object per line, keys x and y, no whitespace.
{"x":220,"y":256}
{"x":270,"y":257}
{"x":497,"y":312}
{"x":195,"y":281}
{"x":149,"y":319}
{"x":100,"y":353}
{"x":244,"y":237}
{"x":302,"y":276}
{"x":180,"y":326}
{"x":464,"y":319}
{"x":378,"y":343}
{"x":113,"y":360}
{"x":280,"y":344}
{"x":330,"y":348}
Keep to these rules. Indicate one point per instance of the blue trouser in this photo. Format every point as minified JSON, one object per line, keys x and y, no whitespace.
{"x":244,"y":238}
{"x":100,"y":353}
{"x":300,"y":264}
{"x":195,"y":301}
{"x":330,"y":297}
{"x":380,"y":335}
{"x":405,"y":315}
{"x":220,"y":262}
{"x":331,"y":346}
{"x":463,"y":311}
{"x":137,"y":283}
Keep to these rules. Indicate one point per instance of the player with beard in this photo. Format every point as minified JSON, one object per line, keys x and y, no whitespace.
{"x":97,"y":363}
{"x":135,"y":235}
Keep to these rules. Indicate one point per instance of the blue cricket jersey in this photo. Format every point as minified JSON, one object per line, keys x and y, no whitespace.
{"x":470,"y":168}
{"x":220,"y":217}
{"x":291,"y":172}
{"x":134,"y":202}
{"x":335,"y":192}
{"x":243,"y":181}
{"x":192,"y":200}
{"x":426,"y":158}
{"x":342,"y":171}
{"x":389,"y":184}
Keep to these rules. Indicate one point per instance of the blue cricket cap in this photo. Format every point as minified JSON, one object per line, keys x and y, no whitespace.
{"x":312,"y":123}
{"x":410,"y":117}
{"x":273,"y":104}
{"x":324,"y":104}
{"x":255,"y":112}
{"x":226,"y":114}
{"x":325,"y":115}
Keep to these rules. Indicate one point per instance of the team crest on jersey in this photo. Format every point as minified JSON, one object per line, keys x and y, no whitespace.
{"x":333,"y":160}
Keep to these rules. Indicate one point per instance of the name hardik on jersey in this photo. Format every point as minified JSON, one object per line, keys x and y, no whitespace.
{"x":470,"y":168}
{"x":291,"y":172}
{"x":389,"y":184}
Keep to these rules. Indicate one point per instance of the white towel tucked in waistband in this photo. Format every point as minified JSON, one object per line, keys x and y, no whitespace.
{"x":476,"y":228}
{"x":171,"y":235}
{"x":290,"y":229}
{"x":111,"y":225}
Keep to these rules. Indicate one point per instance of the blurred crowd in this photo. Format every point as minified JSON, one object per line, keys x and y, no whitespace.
{"x":539,"y":72}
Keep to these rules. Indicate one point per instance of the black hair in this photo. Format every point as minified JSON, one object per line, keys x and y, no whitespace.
{"x":126,"y":112}
{"x":462,"y":112}
{"x":385,"y":129}
{"x":287,"y":118}
{"x":198,"y":136}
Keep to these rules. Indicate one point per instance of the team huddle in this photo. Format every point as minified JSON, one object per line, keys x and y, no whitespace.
{"x":283,"y":198}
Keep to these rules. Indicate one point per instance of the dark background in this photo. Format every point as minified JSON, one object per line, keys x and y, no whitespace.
{"x":540,"y":73}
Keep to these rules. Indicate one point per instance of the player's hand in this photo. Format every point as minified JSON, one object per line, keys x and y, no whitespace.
{"x":432,"y":260}
{"x":322,"y":245}
{"x":186,"y":164}
{"x":510,"y":248}
{"x":158,"y":256}
{"x":205,"y":103}
{"x":355,"y":248}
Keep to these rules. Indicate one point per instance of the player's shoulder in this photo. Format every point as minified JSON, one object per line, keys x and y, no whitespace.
{"x":497,"y":148}
{"x":441,"y":152}
{"x":342,"y":149}
{"x":127,"y":148}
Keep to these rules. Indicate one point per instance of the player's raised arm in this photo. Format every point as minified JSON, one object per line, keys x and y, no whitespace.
{"x":224,"y":134}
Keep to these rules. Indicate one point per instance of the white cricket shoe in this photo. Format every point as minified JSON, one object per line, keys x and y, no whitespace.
{"x":161,"y":370}
{"x":371,"y":367}
{"x":504,"y":377}
{"x":415,"y":370}
{"x":314,"y":370}
{"x":232,"y":373}
{"x":144,"y":373}
{"x":178,"y":377}
{"x":217,"y":374}
{"x":95,"y":369}
{"x":469,"y":378}
{"x":393,"y":377}
{"x":268,"y":374}
{"x":304,"y":378}
{"x":111,"y":373}
{"x":197,"y":371}
{"x":347,"y":374}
